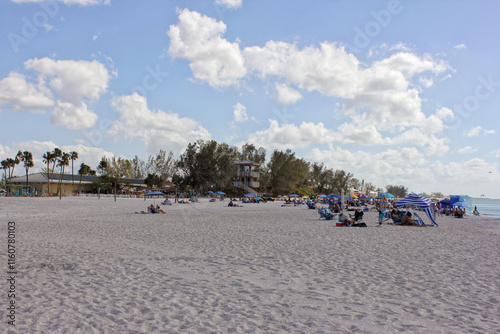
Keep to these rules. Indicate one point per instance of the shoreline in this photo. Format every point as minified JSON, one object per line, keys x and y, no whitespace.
{"x":87,"y":265}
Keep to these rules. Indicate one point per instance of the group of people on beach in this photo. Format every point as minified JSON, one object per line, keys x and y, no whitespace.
{"x":153,"y":209}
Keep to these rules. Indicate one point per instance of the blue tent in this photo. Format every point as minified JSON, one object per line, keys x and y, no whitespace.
{"x":461,"y":198}
{"x":445,"y":203}
{"x":421,"y":202}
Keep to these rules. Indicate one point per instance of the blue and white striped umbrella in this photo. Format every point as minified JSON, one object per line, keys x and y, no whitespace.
{"x":421,"y":202}
{"x":416,"y":200}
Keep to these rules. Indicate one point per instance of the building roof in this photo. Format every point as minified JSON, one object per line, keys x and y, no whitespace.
{"x":247,"y":162}
{"x":67,"y":178}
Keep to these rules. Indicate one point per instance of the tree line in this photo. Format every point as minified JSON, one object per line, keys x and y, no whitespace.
{"x":203,"y":166}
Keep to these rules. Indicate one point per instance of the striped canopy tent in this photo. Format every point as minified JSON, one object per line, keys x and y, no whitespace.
{"x":421,"y":202}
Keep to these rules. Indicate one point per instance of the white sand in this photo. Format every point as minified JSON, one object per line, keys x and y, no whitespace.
{"x":92,"y":266}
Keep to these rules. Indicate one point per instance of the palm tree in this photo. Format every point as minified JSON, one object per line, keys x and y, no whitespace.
{"x":27,"y":158}
{"x":73,"y":156}
{"x":84,"y":170}
{"x":103,"y":165}
{"x":56,"y":154}
{"x":47,"y":158}
{"x":62,"y":162}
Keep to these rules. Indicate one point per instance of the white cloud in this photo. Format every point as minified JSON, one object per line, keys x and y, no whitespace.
{"x":213,"y":59}
{"x":65,"y":85}
{"x":477,"y":131}
{"x":20,"y":95}
{"x":96,"y":36}
{"x":329,"y":69}
{"x":240,"y":113}
{"x":410,"y":167}
{"x":73,"y":117}
{"x":383,"y":96}
{"x":157,"y":129}
{"x":72,"y":80}
{"x":460,"y":46}
{"x":466,"y":150}
{"x":230,"y":3}
{"x":286,"y":94}
{"x":291,"y":136}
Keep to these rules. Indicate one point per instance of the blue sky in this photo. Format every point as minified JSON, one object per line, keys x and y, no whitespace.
{"x":395,"y":92}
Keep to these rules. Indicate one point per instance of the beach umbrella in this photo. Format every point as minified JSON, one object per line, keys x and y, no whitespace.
{"x":220,"y":193}
{"x":462,"y":205}
{"x":386,"y":195}
{"x":250,"y":195}
{"x":153,"y":193}
{"x":210,"y":192}
{"x":362,"y":196}
{"x":321,"y":196}
{"x":293,"y":195}
{"x":333,"y":195}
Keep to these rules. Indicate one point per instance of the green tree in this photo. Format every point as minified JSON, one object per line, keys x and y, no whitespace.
{"x":62,"y":162}
{"x":286,"y":172}
{"x":340,"y":181}
{"x":162,"y":164}
{"x":73,"y":155}
{"x":103,"y":166}
{"x":47,"y":158}
{"x":84,"y":170}
{"x":27,"y":159}
{"x":55,"y":155}
{"x":251,"y":153}
{"x":398,"y":191}
{"x":320,"y":178}
{"x":154,"y":181}
{"x":205,"y":165}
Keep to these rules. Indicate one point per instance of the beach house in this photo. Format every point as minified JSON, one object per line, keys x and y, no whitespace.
{"x":248,"y":175}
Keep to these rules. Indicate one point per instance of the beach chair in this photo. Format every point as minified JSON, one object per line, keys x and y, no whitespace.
{"x":326,"y":213}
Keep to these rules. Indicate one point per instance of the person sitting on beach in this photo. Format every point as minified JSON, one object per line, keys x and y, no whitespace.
{"x":230,"y":203}
{"x":159,"y":210}
{"x":151,"y":209}
{"x":475,"y":212}
{"x":407,"y":221}
{"x":343,"y":219}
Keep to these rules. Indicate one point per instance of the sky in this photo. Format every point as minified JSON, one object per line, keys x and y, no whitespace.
{"x":394,"y":92}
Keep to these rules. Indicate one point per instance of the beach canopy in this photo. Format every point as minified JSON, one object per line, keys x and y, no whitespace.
{"x":445,"y":203}
{"x":250,"y":195}
{"x":154,"y":193}
{"x":462,"y":205}
{"x":461,"y":198}
{"x":421,"y":202}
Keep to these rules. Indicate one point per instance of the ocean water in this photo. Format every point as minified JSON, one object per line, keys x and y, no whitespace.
{"x":487,"y":207}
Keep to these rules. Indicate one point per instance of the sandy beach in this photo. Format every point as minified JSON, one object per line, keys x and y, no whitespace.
{"x":93,"y":266}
